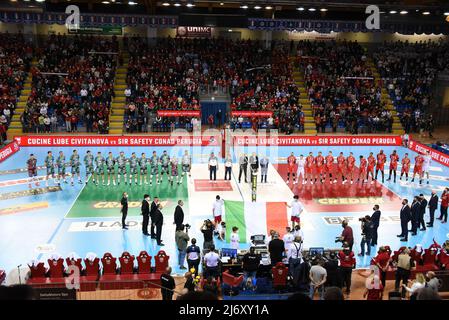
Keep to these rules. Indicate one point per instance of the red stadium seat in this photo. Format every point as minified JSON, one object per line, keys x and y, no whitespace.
{"x":109,"y":264}
{"x":231,"y":280}
{"x":126,"y":263}
{"x":144,"y":263}
{"x":279,"y":273}
{"x":161,"y":261}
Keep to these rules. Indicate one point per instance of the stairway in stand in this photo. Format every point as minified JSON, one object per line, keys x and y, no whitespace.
{"x":118,"y":103}
{"x":397,"y":126}
{"x":15,"y":127}
{"x":309,"y":123}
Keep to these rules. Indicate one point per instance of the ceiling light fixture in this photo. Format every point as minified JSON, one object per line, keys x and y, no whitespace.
{"x":190,"y":5}
{"x":268,"y":7}
{"x":312,"y":9}
{"x":132,"y":3}
{"x":165,"y":4}
{"x":393,"y":12}
{"x":244,"y":6}
{"x":323,"y":9}
{"x":300,"y":9}
{"x":403,"y":12}
{"x":257,"y":7}
{"x":426,"y":13}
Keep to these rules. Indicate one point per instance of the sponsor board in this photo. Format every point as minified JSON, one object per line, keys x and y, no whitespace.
{"x":105,"y":225}
{"x":174,"y":113}
{"x":350,"y":200}
{"x":318,"y":141}
{"x":252,"y":114}
{"x":116,"y":204}
{"x":23,"y":208}
{"x":20,"y":170}
{"x":436,"y":155}
{"x":45,"y":248}
{"x":207,"y":185}
{"x":46,"y":293}
{"x":105,"y":141}
{"x":29,"y":192}
{"x":337,"y":220}
{"x":194,"y":32}
{"x":9,"y":150}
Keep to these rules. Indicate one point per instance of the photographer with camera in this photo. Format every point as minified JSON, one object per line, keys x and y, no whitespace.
{"x":208,"y":232}
{"x":347,"y":236}
{"x":182,"y":238}
{"x":367,"y":235}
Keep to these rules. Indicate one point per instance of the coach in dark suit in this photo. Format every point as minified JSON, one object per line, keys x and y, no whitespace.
{"x":415,"y":211}
{"x":433,"y":205}
{"x":152,"y":210}
{"x":158,"y":221}
{"x":145,"y":213}
{"x":124,"y":209}
{"x":375,"y":221}
{"x":405,"y":218}
{"x":423,"y":203}
{"x":179,"y":215}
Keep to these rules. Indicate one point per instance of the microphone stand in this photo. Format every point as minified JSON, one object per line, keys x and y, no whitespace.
{"x":18,"y":269}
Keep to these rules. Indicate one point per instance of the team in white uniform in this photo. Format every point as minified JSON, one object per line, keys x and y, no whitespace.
{"x":426,"y":165}
{"x":300,"y":172}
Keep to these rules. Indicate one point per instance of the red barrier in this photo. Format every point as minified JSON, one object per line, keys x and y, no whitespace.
{"x":318,"y":141}
{"x":436,"y":155}
{"x":9,"y":150}
{"x":175,"y":113}
{"x":252,"y":114}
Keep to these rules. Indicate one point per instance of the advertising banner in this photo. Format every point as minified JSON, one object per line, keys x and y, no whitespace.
{"x":8,"y":150}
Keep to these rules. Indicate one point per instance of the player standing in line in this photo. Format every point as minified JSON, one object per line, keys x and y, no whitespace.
{"x":99,"y":168}
{"x":371,"y":166}
{"x":417,"y":169}
{"x":350,"y":162}
{"x":426,"y":164}
{"x":405,"y":167}
{"x":310,"y":161}
{"x":341,"y":162}
{"x":291,"y":162}
{"x":110,"y":167}
{"x":60,"y":162}
{"x":121,"y":166}
{"x":133,"y":161}
{"x":154,"y":168}
{"x":50,"y":164}
{"x":89,"y":163}
{"x":165,"y":161}
{"x":174,"y":170}
{"x":300,"y":172}
{"x":330,"y":167}
{"x":187,"y":165}
{"x":381,"y":159}
{"x":143,"y":161}
{"x":32,"y":170}
{"x":362,"y":170}
{"x":319,"y":161}
{"x":75,"y":167}
{"x":394,"y":158}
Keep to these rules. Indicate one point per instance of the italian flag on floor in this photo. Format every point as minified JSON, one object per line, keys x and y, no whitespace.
{"x":255,"y":218}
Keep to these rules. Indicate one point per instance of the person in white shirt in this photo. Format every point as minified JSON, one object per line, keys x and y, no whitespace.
{"x":297,"y":232}
{"x":294,"y":251}
{"x":300,"y":172}
{"x":419,"y":283}
{"x":213,"y":167}
{"x":288,"y":237}
{"x":228,"y":168}
{"x":297,"y":209}
{"x":235,"y":239}
{"x":426,"y":165}
{"x":217,"y":209}
{"x":211,"y":261}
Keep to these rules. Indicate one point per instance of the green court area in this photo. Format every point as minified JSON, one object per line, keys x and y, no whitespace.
{"x":104,"y":201}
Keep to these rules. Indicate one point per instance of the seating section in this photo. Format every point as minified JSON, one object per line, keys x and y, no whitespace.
{"x":107,"y":276}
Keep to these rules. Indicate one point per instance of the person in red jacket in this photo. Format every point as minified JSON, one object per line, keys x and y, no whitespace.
{"x":350,"y":162}
{"x":362,"y":170}
{"x":405,"y":167}
{"x":394,"y":158}
{"x":341,"y":164}
{"x":330,"y":167}
{"x":319,"y":161}
{"x":291,"y":162}
{"x":417,"y":169}
{"x":371,"y":165}
{"x":347,"y":263}
{"x":444,"y":205}
{"x":381,"y":159}
{"x":310,"y":166}
{"x":382,"y":261}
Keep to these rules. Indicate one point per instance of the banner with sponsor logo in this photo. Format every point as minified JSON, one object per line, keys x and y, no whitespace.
{"x":194,"y":32}
{"x":9,"y":150}
{"x":318,"y":141}
{"x":436,"y":155}
{"x":105,"y":141}
{"x":252,"y":114}
{"x":176,"y":113}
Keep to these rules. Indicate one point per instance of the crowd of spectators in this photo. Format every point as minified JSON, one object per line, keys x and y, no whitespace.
{"x":409,"y":71}
{"x":341,"y":87}
{"x":72,"y":84}
{"x":15,"y":57}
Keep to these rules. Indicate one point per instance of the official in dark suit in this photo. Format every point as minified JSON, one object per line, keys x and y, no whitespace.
{"x":158,"y":221}
{"x":375,"y":221}
{"x":179,"y":215}
{"x":415,"y":211}
{"x":145,"y":213}
{"x":405,"y":218}
{"x":153,"y":208}
{"x":423,"y":204}
{"x":433,"y":205}
{"x":124,"y":209}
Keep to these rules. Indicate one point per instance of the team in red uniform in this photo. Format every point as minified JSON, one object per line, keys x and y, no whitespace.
{"x":319,"y":162}
{"x":291,"y":161}
{"x":330,"y":166}
{"x":362,"y":169}
{"x":417,"y":169}
{"x":350,"y":166}
{"x":32,"y":169}
{"x":381,"y":159}
{"x":371,"y":165}
{"x":394,"y":158}
{"x":405,"y":167}
{"x":310,"y":164}
{"x":341,"y":163}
